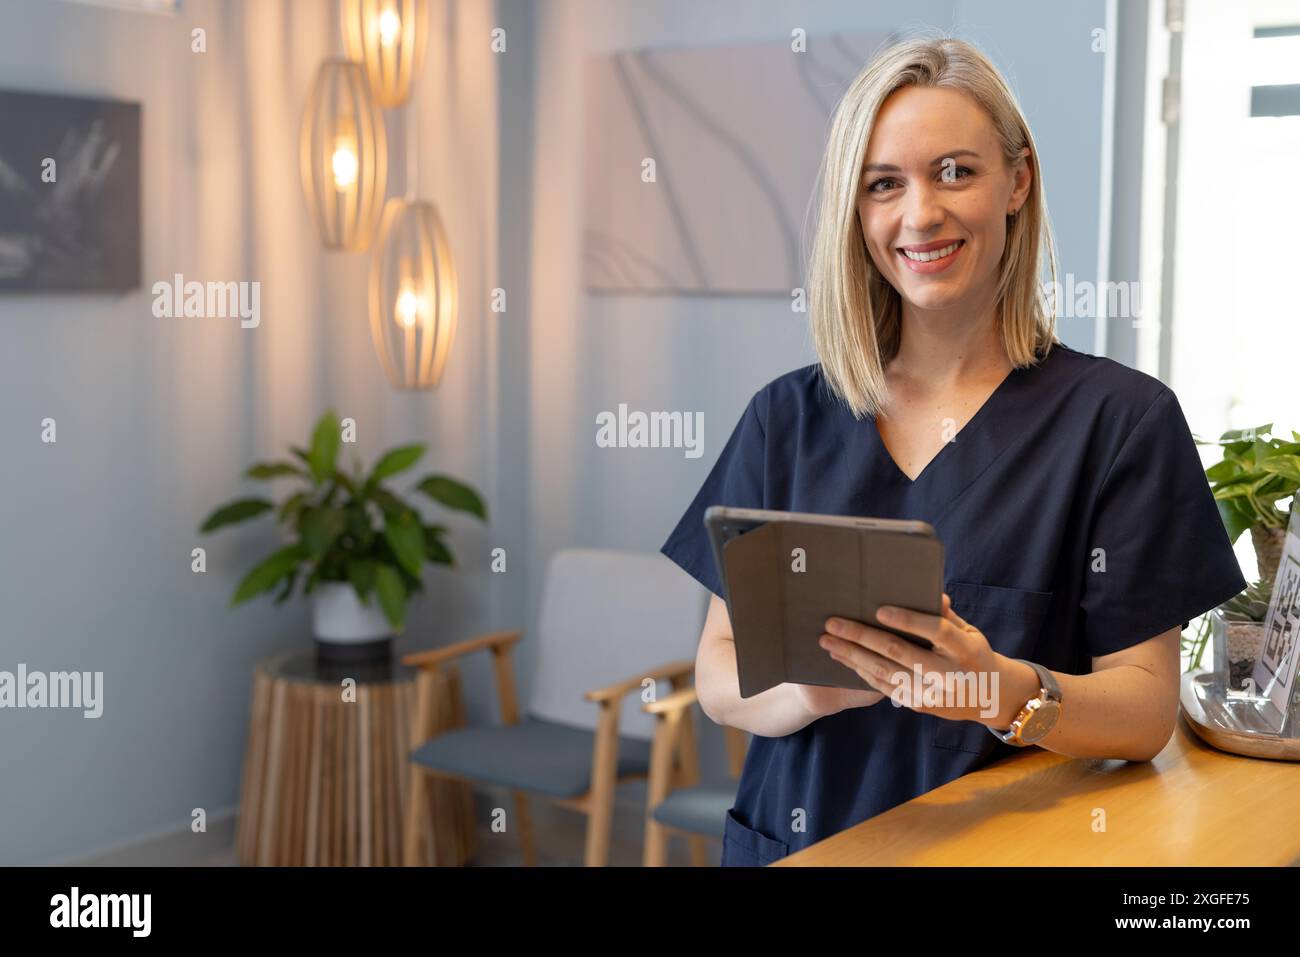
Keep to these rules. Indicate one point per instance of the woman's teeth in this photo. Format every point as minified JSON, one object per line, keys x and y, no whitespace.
{"x":932,"y":254}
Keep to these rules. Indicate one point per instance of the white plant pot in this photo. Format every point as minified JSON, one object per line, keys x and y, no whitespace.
{"x":338,"y":617}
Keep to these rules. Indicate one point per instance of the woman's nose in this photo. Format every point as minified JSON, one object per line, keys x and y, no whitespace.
{"x":922,"y":209}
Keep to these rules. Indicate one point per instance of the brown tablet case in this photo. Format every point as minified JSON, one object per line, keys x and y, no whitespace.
{"x":778,"y":613}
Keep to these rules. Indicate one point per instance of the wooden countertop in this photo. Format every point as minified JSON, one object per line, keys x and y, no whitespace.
{"x":1192,"y":805}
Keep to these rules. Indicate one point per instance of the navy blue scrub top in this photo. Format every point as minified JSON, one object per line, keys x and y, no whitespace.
{"x":1068,"y":457}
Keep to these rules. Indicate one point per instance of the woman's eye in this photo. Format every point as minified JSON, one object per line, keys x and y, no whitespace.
{"x":952,"y":174}
{"x":879,"y":186}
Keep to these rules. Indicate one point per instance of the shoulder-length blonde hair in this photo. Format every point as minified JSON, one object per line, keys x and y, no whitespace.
{"x":855,"y":312}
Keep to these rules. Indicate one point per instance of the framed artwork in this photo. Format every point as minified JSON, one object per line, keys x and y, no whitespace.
{"x":69,"y":194}
{"x":700,"y":162}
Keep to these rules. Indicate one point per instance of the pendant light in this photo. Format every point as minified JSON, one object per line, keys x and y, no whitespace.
{"x":388,"y":38}
{"x":344,"y":156}
{"x":412,"y":295}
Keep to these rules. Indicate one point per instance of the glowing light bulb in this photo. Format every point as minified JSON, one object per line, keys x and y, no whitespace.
{"x":344,"y":165}
{"x":390,"y":25}
{"x":408,"y":307}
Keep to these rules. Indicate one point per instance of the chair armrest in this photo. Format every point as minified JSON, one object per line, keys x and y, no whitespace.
{"x":614,"y":692}
{"x":434,"y":657}
{"x":677,"y":701}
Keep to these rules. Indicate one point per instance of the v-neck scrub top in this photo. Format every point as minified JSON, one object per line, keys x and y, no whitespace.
{"x":1076,"y":521}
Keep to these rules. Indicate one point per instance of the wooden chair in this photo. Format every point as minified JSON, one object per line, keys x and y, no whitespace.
{"x":676,"y":804}
{"x":603,"y":613}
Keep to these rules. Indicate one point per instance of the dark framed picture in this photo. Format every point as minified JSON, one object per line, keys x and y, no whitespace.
{"x":69,"y":194}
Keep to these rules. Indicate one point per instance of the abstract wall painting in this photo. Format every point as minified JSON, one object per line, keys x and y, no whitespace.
{"x":69,"y":194}
{"x":735,"y":135}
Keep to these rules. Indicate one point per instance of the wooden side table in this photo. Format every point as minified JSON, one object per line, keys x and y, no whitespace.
{"x":326,"y":778}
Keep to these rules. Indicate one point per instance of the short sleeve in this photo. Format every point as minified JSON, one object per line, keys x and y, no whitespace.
{"x":736,"y":480}
{"x":1164,"y":556}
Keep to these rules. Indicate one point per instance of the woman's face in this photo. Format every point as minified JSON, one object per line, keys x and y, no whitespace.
{"x":936,"y":191}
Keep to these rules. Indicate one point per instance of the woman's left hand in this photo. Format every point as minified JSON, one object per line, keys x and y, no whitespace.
{"x":890,"y":664}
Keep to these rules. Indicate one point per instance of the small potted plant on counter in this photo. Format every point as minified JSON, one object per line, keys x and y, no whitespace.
{"x":1257,"y":471}
{"x":1237,"y":629}
{"x":358,"y":547}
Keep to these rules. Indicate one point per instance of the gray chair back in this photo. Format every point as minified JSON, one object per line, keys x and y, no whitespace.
{"x":606,"y":616}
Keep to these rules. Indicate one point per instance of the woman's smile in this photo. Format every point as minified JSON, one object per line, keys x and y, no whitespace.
{"x":931,"y":257}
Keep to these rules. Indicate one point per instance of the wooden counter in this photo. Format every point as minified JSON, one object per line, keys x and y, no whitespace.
{"x":1192,"y":805}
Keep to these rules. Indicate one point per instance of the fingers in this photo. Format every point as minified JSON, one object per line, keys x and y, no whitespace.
{"x":951,"y":614}
{"x":883,"y":643}
{"x":876,"y":670}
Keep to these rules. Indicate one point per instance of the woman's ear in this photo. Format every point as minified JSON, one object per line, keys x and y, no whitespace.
{"x":1022,"y":178}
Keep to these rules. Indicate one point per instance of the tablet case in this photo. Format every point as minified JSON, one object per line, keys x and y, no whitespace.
{"x":778,"y":613}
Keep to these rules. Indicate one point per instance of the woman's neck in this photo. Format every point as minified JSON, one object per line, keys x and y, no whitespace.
{"x":949,"y":347}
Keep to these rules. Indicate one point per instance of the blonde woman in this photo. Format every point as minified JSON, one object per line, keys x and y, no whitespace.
{"x":1079,"y":530}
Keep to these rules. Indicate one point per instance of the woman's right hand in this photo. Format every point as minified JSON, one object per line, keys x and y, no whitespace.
{"x":822,"y":701}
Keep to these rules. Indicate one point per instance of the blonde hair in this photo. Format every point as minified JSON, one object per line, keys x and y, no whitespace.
{"x":855,"y":313}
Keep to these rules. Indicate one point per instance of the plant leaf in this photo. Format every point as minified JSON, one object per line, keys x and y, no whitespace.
{"x":285,"y":592}
{"x":358,"y":526}
{"x":292,"y":506}
{"x":268,"y":573}
{"x":392,"y":595}
{"x":312,"y":579}
{"x":342,"y":480}
{"x":1235,"y":519}
{"x":270,"y":470}
{"x":237,"y":511}
{"x":1287,"y":466}
{"x":319,"y":528}
{"x":434,"y":549}
{"x":405,"y":537}
{"x":1222,"y":471}
{"x":1236,"y":450}
{"x":361,"y":572}
{"x":1238,"y":484}
{"x":393,"y":506}
{"x":324,"y":447}
{"x":394,"y":461}
{"x":453,"y":494}
{"x":1246,"y":435}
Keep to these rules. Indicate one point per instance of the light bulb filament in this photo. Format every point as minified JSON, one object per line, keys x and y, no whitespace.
{"x":344,"y":165}
{"x":408,"y":308}
{"x":390,"y":25}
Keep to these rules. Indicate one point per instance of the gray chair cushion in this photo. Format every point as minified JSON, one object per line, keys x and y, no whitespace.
{"x":535,"y":755}
{"x":699,"y":810}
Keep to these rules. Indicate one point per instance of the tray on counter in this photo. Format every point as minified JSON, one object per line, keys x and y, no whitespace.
{"x":1234,"y":721}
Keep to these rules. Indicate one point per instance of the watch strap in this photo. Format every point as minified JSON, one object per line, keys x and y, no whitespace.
{"x":1048,"y":690}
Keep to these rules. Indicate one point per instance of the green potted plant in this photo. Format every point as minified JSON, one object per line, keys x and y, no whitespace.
{"x":358,"y":547}
{"x":1257,"y":471}
{"x":1237,"y":630}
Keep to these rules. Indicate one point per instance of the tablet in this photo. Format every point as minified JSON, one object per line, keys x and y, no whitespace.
{"x":785,"y":573}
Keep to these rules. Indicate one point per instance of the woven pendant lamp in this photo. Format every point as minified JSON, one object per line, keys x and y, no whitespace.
{"x":343,"y":155}
{"x":412,"y":295}
{"x":388,"y":38}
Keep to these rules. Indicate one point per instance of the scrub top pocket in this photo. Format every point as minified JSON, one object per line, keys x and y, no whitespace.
{"x":1011,"y":619}
{"x":745,"y":847}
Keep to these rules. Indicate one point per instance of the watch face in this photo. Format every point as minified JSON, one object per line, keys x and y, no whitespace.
{"x":1040,"y":722}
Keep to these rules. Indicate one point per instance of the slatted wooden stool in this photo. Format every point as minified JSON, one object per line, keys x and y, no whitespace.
{"x":325,"y":777}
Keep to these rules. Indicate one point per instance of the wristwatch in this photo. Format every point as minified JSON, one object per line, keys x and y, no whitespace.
{"x":1038,"y":716}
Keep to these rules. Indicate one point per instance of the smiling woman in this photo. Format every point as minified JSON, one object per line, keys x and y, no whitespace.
{"x":1066,"y":488}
